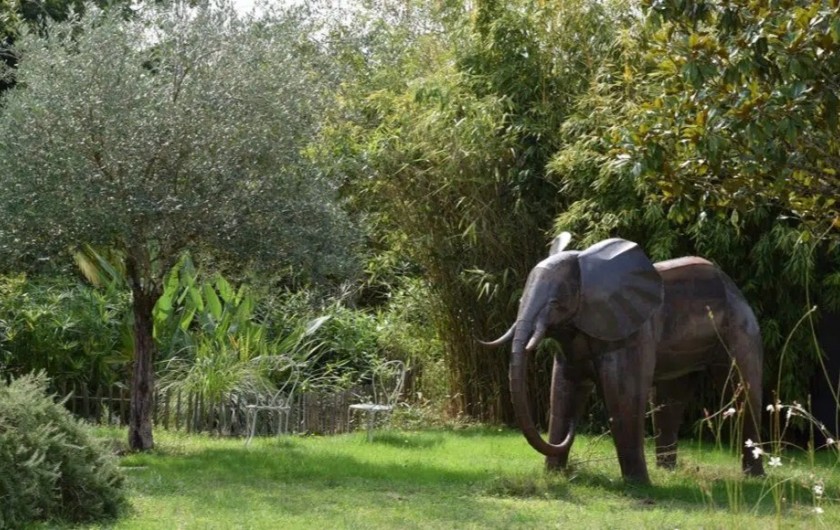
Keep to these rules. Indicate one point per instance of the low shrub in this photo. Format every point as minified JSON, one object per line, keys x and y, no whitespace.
{"x":51,"y":467}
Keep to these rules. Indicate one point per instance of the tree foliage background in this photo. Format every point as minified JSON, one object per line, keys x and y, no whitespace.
{"x":696,"y":138}
{"x":690,"y":127}
{"x":462,"y":136}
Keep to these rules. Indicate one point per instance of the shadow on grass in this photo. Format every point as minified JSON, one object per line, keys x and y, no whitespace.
{"x":687,"y":488}
{"x":290,"y":460}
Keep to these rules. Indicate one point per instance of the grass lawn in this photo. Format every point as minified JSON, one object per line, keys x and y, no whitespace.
{"x":472,"y":478}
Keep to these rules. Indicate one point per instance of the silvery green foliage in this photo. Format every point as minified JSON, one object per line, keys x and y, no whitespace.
{"x":179,"y":128}
{"x":51,"y":466}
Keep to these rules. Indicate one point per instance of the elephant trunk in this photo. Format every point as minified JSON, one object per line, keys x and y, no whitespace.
{"x":519,"y":391}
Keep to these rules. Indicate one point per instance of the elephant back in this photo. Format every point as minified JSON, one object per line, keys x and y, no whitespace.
{"x":619,"y":289}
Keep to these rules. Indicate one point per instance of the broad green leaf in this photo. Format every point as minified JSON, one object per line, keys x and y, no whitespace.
{"x":214,"y":305}
{"x":225,"y":290}
{"x":196,"y":299}
{"x":186,"y":319}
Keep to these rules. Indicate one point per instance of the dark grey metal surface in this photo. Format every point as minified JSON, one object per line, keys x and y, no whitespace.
{"x":628,"y":326}
{"x":620,"y":289}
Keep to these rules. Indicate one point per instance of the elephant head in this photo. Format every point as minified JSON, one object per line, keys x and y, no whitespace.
{"x":607,"y":291}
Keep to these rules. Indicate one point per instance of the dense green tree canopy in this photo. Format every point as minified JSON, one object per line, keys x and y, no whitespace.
{"x":748,"y":111}
{"x":186,"y":133}
{"x":18,"y":16}
{"x":635,"y":163}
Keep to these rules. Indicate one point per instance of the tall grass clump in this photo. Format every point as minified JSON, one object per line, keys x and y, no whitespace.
{"x":359,"y":338}
{"x":51,"y":467}
{"x":796,"y":475}
{"x":75,"y":333}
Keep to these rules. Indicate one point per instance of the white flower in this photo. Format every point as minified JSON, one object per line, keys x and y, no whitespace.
{"x":818,"y":510}
{"x":818,"y":490}
{"x":757,"y":452}
{"x":829,"y":441}
{"x":775,"y":461}
{"x":729,"y":412}
{"x":749,"y":444}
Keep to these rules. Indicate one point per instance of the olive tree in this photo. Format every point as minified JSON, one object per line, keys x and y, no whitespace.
{"x":15,"y":15}
{"x":180,"y":129}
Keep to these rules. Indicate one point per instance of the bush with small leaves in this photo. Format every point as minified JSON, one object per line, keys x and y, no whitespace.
{"x":51,"y":467}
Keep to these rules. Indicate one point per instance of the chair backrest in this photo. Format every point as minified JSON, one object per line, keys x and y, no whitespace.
{"x":283,"y":393}
{"x":388,"y":379}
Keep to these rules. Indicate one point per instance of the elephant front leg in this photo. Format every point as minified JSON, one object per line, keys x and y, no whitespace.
{"x":569,"y":395}
{"x":625,"y":377}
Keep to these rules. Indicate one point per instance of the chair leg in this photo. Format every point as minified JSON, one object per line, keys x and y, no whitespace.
{"x":281,"y":426}
{"x":371,"y":418}
{"x":252,"y":425}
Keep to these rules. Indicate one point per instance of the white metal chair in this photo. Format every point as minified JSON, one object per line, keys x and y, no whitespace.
{"x":278,"y":403}
{"x":387,"y":381}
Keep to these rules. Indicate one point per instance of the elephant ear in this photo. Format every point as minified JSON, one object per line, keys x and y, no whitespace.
{"x":619,"y":289}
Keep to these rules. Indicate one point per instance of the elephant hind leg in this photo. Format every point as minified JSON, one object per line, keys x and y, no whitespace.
{"x":670,"y":400}
{"x":746,"y":378}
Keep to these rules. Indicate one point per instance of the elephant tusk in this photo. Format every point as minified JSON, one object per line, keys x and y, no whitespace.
{"x":501,"y":340}
{"x":539,"y":334}
{"x":569,"y":435}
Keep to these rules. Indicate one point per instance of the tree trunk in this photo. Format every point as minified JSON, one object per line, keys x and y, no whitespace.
{"x":143,"y":376}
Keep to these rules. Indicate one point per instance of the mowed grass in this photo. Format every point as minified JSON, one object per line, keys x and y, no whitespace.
{"x":471,"y":478}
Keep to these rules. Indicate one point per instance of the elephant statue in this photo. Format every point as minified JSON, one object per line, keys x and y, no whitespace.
{"x":628,"y":326}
